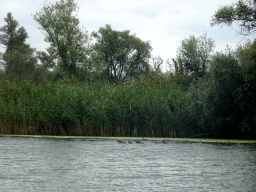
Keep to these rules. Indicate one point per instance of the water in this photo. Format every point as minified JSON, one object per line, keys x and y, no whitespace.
{"x":33,"y":164}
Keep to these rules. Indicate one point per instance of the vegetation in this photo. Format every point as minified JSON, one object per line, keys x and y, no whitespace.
{"x":131,"y":109}
{"x":115,"y":88}
{"x":19,"y":61}
{"x":192,"y":60}
{"x":121,"y":56}
{"x":193,"y":55}
{"x":62,"y":31}
{"x":241,"y":12}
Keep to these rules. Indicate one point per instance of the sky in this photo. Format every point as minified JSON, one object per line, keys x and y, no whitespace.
{"x":165,"y":23}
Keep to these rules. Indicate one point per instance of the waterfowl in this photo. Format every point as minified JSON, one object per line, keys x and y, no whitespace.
{"x":144,"y":139}
{"x":119,"y":141}
{"x":252,"y":144}
{"x":137,"y":141}
{"x":164,"y":141}
{"x":130,"y":142}
{"x":154,"y":141}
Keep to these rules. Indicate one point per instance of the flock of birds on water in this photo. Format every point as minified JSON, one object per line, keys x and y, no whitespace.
{"x":138,"y":141}
{"x":165,"y":142}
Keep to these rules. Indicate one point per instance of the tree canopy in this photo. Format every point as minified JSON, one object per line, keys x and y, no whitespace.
{"x":123,"y":56}
{"x":194,"y":54}
{"x":48,"y":58}
{"x":242,"y":12}
{"x":61,"y":30}
{"x":12,"y":38}
{"x":18,"y":59}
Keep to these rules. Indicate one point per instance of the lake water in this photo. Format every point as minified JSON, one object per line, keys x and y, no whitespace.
{"x":36,"y":164}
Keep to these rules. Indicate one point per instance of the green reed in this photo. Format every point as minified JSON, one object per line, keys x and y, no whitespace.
{"x":139,"y":108}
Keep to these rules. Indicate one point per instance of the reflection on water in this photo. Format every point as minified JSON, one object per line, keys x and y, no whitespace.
{"x":32,"y":164}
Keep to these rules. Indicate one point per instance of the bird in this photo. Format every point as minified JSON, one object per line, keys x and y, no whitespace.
{"x":129,"y":142}
{"x":137,"y":141}
{"x":164,"y":141}
{"x":154,"y":141}
{"x":119,"y":141}
{"x":252,"y":144}
{"x":144,"y":139}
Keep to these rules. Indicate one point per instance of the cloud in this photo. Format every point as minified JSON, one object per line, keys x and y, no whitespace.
{"x":13,"y":4}
{"x":148,"y":11}
{"x":186,"y":11}
{"x":120,"y":20}
{"x":120,"y":5}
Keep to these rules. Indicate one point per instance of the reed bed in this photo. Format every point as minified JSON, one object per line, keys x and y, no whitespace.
{"x":92,"y":109}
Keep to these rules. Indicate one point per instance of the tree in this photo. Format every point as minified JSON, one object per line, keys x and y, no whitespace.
{"x":18,"y":59}
{"x":1,"y":61}
{"x":247,"y":89}
{"x":12,"y":38}
{"x":242,"y":12}
{"x":62,"y":31}
{"x":21,"y":63}
{"x":121,"y":56}
{"x":192,"y":59}
{"x":194,"y":54}
{"x":226,"y":73}
{"x":48,"y":58}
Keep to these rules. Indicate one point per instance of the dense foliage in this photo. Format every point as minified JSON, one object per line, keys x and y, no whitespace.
{"x":19,"y":61}
{"x":121,"y":56}
{"x":117,"y":89}
{"x":62,"y":31}
{"x":131,"y":109}
{"x":243,"y":12}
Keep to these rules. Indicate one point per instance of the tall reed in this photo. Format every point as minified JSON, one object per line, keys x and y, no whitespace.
{"x":139,"y":108}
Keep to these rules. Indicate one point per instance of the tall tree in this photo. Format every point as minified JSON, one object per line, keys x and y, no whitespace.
{"x":122,"y":56}
{"x":226,"y":72}
{"x":18,"y":59}
{"x":61,"y":30}
{"x":242,"y":12}
{"x":21,"y":63}
{"x":247,"y":89}
{"x":194,"y":54}
{"x":12,"y":38}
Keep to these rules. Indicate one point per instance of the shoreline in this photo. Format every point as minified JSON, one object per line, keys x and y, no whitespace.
{"x":206,"y":140}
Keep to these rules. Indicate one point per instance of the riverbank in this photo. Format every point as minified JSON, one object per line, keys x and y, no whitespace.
{"x":205,"y":140}
{"x":131,"y":109}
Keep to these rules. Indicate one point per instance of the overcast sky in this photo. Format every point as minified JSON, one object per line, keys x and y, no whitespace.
{"x":163,"y":22}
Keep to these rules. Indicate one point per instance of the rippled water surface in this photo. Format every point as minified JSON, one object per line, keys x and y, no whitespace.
{"x":33,"y":164}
